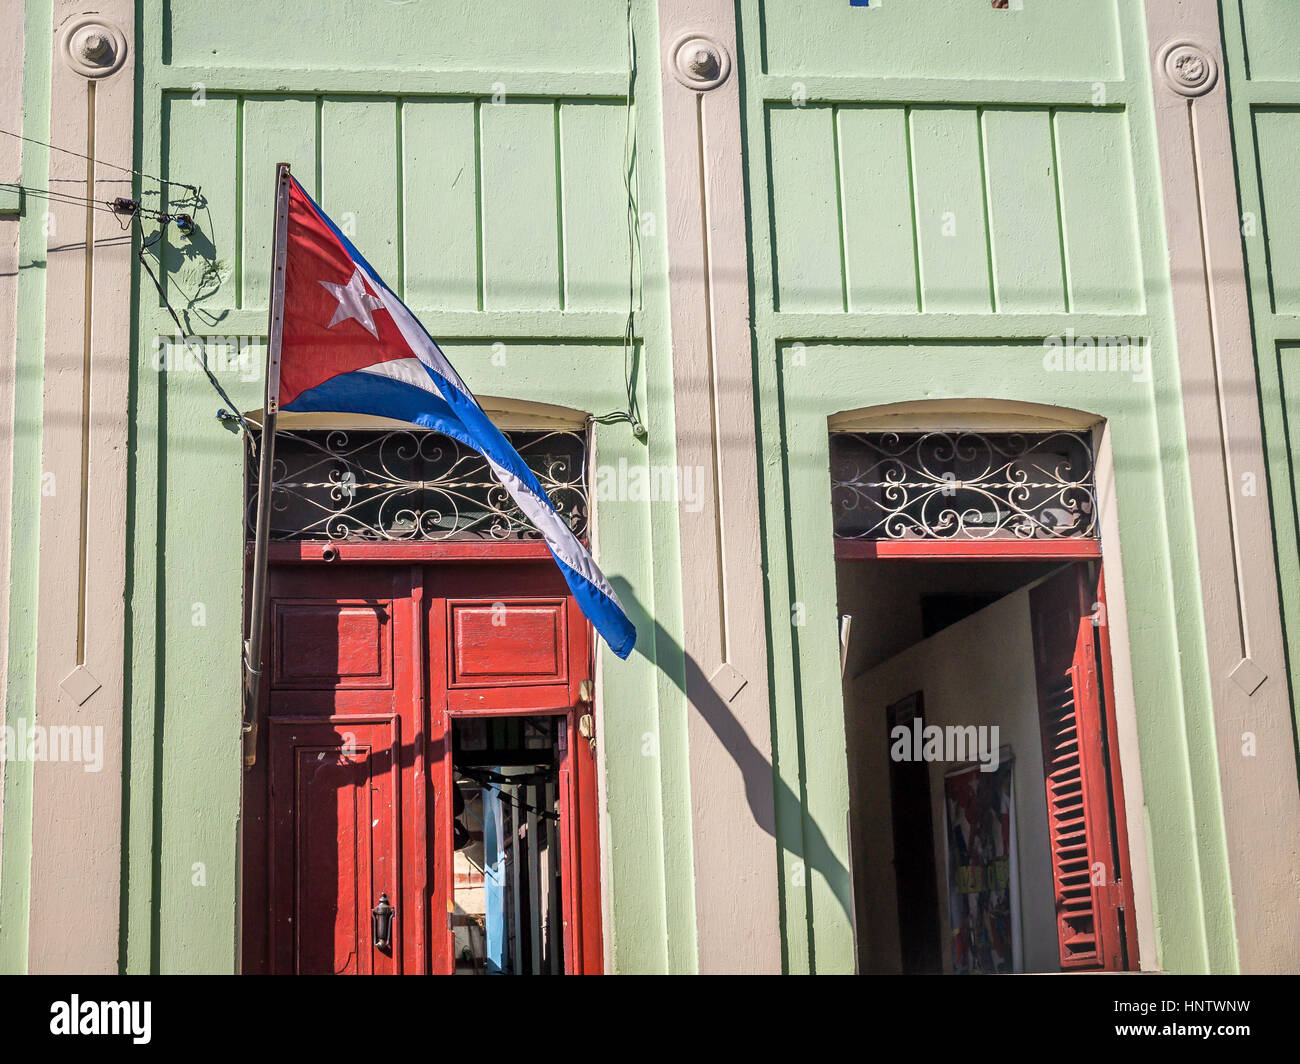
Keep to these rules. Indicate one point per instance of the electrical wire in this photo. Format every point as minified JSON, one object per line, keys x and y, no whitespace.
{"x":520,"y":804}
{"x":123,"y":207}
{"x":633,"y":249}
{"x":57,"y":196}
{"x":486,"y":778}
{"x":203,"y":350}
{"x":100,"y":162}
{"x":127,"y":218}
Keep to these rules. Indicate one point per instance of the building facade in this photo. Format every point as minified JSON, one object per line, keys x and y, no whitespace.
{"x":813,"y":305}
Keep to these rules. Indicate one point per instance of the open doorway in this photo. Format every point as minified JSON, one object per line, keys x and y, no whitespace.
{"x":986,"y":831}
{"x":508,"y":873}
{"x":424,"y":731}
{"x":987,"y":824}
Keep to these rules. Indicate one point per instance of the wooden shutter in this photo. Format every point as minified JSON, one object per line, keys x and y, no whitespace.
{"x":1089,"y":863}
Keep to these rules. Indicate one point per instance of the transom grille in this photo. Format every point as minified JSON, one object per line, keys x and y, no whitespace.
{"x":411,"y":485}
{"x":962,"y":485}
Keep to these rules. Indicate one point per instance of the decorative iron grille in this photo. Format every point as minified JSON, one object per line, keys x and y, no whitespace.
{"x":962,"y":485}
{"x":415,"y":485}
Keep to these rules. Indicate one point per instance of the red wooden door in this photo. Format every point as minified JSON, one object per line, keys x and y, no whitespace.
{"x":1085,"y":808}
{"x":508,"y":640}
{"x":335,"y":800}
{"x":349,"y":797}
{"x":336,"y":844}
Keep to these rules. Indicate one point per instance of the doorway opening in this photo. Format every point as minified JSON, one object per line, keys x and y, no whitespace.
{"x":987,"y":825}
{"x":509,"y":878}
{"x":427,"y":671}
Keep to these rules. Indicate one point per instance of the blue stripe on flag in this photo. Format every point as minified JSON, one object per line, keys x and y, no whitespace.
{"x":369,"y":393}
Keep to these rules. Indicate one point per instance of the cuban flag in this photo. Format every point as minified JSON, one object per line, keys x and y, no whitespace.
{"x":351,"y":346}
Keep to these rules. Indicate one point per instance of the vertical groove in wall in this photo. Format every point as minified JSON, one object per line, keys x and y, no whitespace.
{"x":1270,"y":271}
{"x":916,"y":223}
{"x":239,"y":201}
{"x":401,"y":201}
{"x":164,"y":163}
{"x":716,"y":455}
{"x":1060,"y":208}
{"x":319,"y":175}
{"x":87,"y":341}
{"x":159,"y":631}
{"x":1245,"y":44}
{"x":988,"y":213}
{"x":1225,"y":454}
{"x":771,"y":214}
{"x":559,"y":204}
{"x":1135,"y":227}
{"x":800,"y":758}
{"x":478,"y":197}
{"x":840,"y":208}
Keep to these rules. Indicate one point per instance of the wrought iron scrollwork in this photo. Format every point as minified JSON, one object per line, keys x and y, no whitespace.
{"x":963,"y":485}
{"x":343,"y":484}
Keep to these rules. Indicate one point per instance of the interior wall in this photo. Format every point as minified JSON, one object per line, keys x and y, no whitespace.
{"x":978,"y":671}
{"x":885,"y":598}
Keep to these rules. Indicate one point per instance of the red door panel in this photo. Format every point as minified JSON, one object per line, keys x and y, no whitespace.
{"x":334,"y":844}
{"x":1081,"y":771}
{"x":507,"y":642}
{"x":333,"y":645}
{"x":334,"y":805}
{"x":505,"y":637}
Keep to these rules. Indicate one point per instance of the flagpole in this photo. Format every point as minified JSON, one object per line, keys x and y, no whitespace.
{"x":253,"y":650}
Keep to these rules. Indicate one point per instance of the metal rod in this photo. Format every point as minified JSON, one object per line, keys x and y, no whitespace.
{"x":253,"y":650}
{"x":534,"y":884}
{"x":516,"y":906}
{"x":555,"y":886}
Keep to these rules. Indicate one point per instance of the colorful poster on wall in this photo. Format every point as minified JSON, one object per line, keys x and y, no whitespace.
{"x":983,"y":874}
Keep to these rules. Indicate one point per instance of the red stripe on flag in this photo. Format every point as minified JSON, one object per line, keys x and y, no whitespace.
{"x":313,"y":350}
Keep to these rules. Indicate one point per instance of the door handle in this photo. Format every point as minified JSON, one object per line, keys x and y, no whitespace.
{"x":381,"y":921}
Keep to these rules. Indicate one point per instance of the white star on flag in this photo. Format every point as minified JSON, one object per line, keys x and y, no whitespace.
{"x":354,"y":302}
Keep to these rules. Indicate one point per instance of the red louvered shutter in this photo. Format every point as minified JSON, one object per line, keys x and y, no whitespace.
{"x":1089,"y":863}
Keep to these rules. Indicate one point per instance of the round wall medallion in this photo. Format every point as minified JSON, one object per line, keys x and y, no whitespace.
{"x":700,"y":63}
{"x":1189,"y":68}
{"x":92,"y":48}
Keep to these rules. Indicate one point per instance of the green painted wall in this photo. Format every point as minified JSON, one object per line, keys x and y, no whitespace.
{"x":934,"y":189}
{"x":1261,"y":43}
{"x":474,"y":154}
{"x":916,"y":234}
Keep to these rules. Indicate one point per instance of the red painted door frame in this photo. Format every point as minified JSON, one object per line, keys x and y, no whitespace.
{"x":1119,"y":897}
{"x":948,"y":550}
{"x":440,"y":574}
